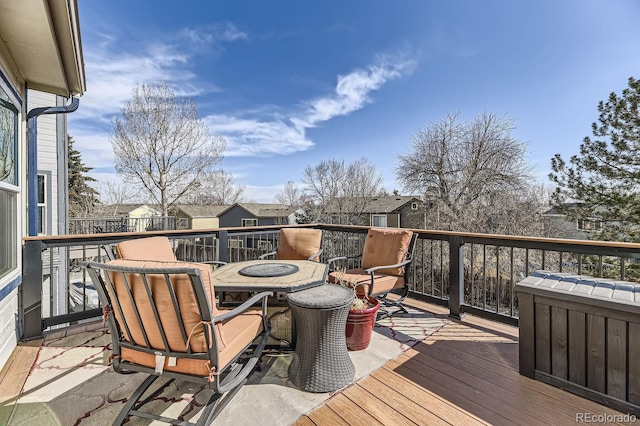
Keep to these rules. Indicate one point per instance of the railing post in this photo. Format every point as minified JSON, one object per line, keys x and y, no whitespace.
{"x":456,"y":276}
{"x":31,"y":289}
{"x":223,"y":251}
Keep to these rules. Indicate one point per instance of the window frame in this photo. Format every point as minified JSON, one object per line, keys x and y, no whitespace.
{"x":10,"y":191}
{"x":43,"y":206}
{"x":374,"y":216}
{"x":589,"y":224}
{"x":243,"y":222}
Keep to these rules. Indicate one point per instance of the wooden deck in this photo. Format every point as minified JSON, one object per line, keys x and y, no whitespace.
{"x":465,"y":374}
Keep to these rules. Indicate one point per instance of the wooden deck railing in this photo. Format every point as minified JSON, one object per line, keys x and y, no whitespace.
{"x":473,"y":273}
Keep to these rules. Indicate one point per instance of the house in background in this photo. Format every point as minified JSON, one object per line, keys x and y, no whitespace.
{"x":393,"y":211}
{"x":254,"y":214}
{"x":40,"y":49}
{"x":122,"y":218}
{"x":556,"y":224}
{"x":192,"y":216}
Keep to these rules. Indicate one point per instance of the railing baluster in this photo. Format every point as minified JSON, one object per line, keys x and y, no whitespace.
{"x":512,"y":285}
{"x":456,"y":276}
{"x":484,"y":276}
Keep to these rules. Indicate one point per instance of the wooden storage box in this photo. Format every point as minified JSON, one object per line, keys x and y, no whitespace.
{"x":582,"y":334}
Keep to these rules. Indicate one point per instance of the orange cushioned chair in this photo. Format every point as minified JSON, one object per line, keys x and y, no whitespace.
{"x":298,"y":244}
{"x":164,"y":322}
{"x":148,"y":248}
{"x":384,"y":266}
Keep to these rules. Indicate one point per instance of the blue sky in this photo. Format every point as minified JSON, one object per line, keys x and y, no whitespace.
{"x":292,"y":83}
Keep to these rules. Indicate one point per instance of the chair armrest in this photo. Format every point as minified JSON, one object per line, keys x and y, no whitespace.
{"x":316,"y":254}
{"x":263,"y":256}
{"x":397,"y":265}
{"x":335,"y":259}
{"x":245,"y":305}
{"x":214,"y":262}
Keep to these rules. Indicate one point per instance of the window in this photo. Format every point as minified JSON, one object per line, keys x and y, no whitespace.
{"x":42,"y":204}
{"x":414,"y":205}
{"x":589,"y":224}
{"x":249,"y":222}
{"x":235,"y":244}
{"x":379,"y":220}
{"x":8,"y":184}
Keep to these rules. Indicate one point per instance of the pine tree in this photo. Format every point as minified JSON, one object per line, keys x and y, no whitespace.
{"x":82,"y":197}
{"x":603,"y":181}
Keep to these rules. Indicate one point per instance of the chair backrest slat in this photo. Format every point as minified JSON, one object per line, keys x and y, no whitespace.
{"x":176,"y":310}
{"x":134,"y":306}
{"x":154,"y":309}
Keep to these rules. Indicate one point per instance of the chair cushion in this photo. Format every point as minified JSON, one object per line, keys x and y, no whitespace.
{"x":186,"y":298}
{"x":243,"y":329}
{"x":385,"y":246}
{"x":361,"y":281}
{"x":152,"y":248}
{"x":299,"y":243}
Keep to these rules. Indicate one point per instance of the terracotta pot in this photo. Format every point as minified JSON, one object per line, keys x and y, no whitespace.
{"x":360,"y":325}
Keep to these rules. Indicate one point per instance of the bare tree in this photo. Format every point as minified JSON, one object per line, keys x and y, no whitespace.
{"x":342,"y":190}
{"x":217,"y":188}
{"x":291,"y":195}
{"x":161,"y":145}
{"x":473,"y":174}
{"x":114,"y":193}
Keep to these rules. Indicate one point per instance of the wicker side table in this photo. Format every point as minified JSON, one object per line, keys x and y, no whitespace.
{"x":321,"y":361}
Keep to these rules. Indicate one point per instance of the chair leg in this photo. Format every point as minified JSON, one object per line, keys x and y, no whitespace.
{"x":385,"y":313}
{"x":135,"y":398}
{"x":216,"y":404}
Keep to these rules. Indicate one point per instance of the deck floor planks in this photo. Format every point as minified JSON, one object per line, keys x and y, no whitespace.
{"x":468,"y":355}
{"x":466,"y":373}
{"x":350,"y":411}
{"x":382,"y":411}
{"x":324,"y":416}
{"x":459,"y":393}
{"x":409,"y":395}
{"x":507,"y":392}
{"x":399,"y":402}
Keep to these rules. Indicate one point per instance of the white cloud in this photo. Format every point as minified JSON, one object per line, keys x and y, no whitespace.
{"x":251,"y":136}
{"x":263,"y":131}
{"x":352,"y":92}
{"x":214,"y":33}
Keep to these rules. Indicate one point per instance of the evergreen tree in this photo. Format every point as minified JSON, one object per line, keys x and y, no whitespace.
{"x":603,"y":180}
{"x":82,"y":197}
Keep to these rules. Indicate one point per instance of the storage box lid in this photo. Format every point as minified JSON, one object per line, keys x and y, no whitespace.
{"x":572,"y":287}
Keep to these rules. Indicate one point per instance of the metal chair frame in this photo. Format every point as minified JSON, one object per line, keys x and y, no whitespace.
{"x":401,"y":292}
{"x":227,"y":380}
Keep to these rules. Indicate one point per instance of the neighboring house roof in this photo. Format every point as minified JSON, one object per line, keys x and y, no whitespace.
{"x":199,"y":210}
{"x":262,"y":209}
{"x":382,"y":204}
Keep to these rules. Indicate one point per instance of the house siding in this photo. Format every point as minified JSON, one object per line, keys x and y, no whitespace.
{"x":233,"y":217}
{"x":204,"y":222}
{"x":412,"y":218}
{"x":47,"y":154}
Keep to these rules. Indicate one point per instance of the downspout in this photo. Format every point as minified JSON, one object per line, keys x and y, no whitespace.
{"x":32,"y":158}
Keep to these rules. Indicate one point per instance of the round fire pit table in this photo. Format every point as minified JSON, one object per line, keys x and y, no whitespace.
{"x":321,"y":361}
